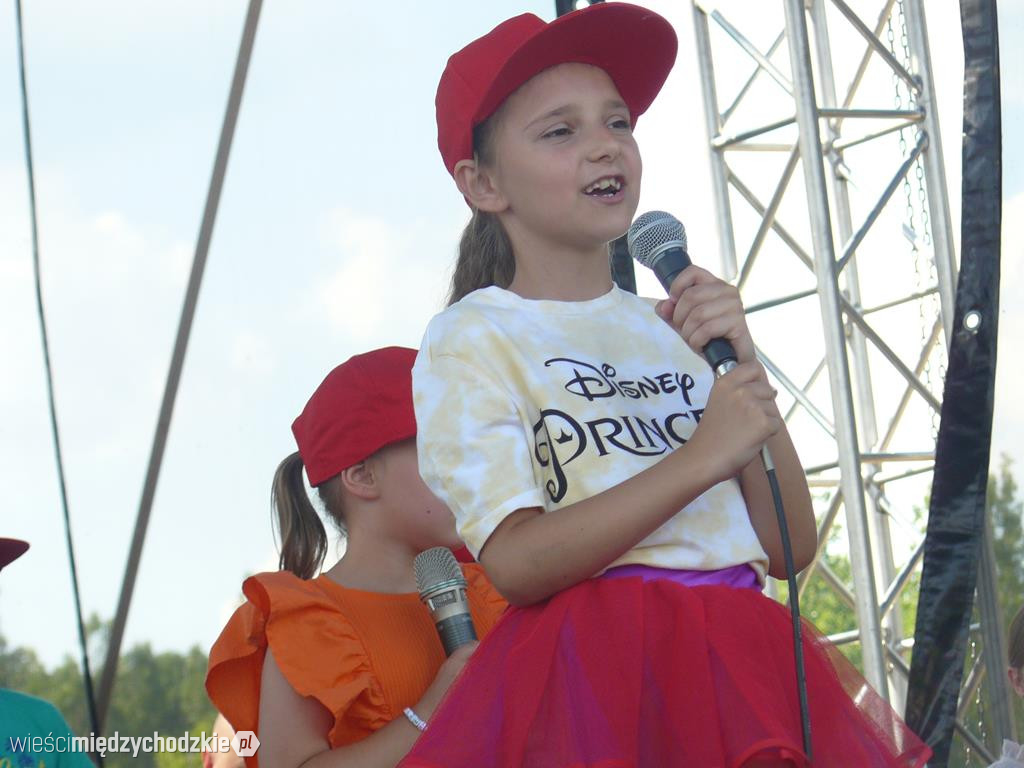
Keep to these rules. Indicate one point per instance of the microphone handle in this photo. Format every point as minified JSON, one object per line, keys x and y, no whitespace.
{"x":455,"y":631}
{"x":718,"y":352}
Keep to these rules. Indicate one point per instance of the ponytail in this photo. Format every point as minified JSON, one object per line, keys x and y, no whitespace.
{"x":303,"y":539}
{"x":485,"y":252}
{"x":485,"y":257}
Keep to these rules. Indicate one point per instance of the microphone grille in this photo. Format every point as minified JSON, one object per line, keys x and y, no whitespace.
{"x":650,"y":232}
{"x":435,"y":566}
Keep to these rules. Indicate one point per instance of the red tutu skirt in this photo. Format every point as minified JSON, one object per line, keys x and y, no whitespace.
{"x":636,"y":673}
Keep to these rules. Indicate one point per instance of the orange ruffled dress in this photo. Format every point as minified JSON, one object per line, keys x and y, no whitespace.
{"x":365,"y":656}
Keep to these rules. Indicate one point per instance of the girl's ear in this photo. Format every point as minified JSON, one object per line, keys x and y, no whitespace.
{"x":361,"y":481}
{"x":1016,"y":680}
{"x":477,"y":186}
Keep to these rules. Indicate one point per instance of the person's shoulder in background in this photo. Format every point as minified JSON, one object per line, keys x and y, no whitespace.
{"x":1012,"y":757}
{"x":26,"y":722}
{"x":218,"y":759}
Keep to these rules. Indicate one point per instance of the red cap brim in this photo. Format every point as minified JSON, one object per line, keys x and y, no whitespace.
{"x":11,"y":550}
{"x":635,"y":46}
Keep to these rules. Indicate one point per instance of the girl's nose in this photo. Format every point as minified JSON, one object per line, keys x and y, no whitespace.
{"x":604,"y":147}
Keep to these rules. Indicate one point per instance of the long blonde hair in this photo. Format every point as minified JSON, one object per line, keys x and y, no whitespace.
{"x":485,"y":252}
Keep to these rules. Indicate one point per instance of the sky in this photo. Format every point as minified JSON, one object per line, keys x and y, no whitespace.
{"x":336,"y":233}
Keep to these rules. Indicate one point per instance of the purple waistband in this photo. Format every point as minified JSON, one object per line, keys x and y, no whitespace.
{"x":739,"y":576}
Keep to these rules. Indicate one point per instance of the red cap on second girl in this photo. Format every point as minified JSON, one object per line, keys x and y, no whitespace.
{"x":361,"y":406}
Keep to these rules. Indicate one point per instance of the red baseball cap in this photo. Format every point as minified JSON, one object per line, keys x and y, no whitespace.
{"x":11,"y":550}
{"x":635,"y":46}
{"x":361,"y":406}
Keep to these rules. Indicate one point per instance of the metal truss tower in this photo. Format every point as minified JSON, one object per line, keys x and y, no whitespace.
{"x":849,"y":280}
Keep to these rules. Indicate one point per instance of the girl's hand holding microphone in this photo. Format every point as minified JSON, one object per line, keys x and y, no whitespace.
{"x":740,"y":417}
{"x":446,"y":675}
{"x":701,"y":307}
{"x":741,"y":414}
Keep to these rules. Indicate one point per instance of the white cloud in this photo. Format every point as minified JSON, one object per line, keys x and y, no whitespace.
{"x":1011,"y":63}
{"x":252,"y":353}
{"x":108,"y":222}
{"x":1012,"y":239}
{"x":112,"y":293}
{"x":391,"y":280}
{"x":1008,"y":421}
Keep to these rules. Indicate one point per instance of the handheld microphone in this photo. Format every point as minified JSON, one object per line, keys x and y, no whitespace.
{"x":442,"y":589}
{"x":658,"y":241}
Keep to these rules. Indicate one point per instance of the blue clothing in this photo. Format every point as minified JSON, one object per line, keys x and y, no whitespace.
{"x":33,"y":734}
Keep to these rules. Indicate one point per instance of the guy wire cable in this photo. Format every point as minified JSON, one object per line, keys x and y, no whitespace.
{"x":188,"y":309}
{"x":26,"y":128}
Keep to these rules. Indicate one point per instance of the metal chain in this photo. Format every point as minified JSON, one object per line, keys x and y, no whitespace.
{"x":925,"y":272}
{"x":968,"y":752}
{"x":980,"y":703}
{"x":898,"y":88}
{"x":929,"y":307}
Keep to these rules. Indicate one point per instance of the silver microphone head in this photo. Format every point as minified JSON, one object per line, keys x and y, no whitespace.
{"x":437,"y":568}
{"x":444,"y":591}
{"x":652,"y":234}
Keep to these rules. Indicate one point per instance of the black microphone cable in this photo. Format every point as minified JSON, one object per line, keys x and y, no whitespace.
{"x":658,"y":241}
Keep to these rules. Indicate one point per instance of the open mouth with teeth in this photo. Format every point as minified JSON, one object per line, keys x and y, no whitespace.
{"x":606,"y":187}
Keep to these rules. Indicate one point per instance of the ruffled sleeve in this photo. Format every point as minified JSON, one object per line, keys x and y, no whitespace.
{"x":318,"y":651}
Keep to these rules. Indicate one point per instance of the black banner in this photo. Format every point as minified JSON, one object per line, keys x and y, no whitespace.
{"x":955,"y":520}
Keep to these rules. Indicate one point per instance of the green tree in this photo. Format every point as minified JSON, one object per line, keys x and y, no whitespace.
{"x":20,"y":668}
{"x":155,"y":693}
{"x":1004,"y":509}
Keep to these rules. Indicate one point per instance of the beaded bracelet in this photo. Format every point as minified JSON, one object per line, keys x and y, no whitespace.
{"x":415,"y":719}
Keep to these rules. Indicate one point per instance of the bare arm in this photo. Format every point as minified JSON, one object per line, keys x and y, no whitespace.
{"x":293,"y":728}
{"x":796,"y":498}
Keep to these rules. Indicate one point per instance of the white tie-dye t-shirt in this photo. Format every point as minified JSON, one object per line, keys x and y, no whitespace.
{"x":523,"y":403}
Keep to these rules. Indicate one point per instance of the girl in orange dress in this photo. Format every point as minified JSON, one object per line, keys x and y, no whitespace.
{"x":344,"y":668}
